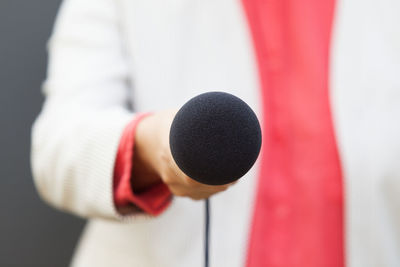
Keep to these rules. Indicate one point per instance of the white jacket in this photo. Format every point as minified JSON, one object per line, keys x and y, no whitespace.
{"x":109,"y":55}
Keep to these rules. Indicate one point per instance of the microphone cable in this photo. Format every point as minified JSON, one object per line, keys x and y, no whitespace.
{"x":207,"y":233}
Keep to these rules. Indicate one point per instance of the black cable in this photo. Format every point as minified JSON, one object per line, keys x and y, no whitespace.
{"x":207,"y":234}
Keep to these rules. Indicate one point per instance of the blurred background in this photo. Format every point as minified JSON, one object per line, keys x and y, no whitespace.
{"x":31,"y":233}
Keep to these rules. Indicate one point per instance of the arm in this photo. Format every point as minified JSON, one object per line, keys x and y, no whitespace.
{"x":76,"y":136}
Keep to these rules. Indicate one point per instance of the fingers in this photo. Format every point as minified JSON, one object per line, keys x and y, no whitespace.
{"x":195,"y":193}
{"x":183,"y":186}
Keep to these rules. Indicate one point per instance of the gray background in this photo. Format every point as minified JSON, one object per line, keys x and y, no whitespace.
{"x":31,"y":233}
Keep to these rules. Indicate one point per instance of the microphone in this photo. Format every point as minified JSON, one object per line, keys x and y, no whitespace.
{"x":215,"y":138}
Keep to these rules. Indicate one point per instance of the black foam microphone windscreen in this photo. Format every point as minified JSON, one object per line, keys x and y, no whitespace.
{"x":215,"y":138}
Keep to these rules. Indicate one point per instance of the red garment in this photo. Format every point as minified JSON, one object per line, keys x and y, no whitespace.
{"x":298,"y":218}
{"x":153,"y":201}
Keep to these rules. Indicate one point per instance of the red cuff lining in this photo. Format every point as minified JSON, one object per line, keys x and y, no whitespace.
{"x":152,"y":201}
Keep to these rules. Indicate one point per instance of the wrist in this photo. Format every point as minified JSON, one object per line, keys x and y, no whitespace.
{"x":144,"y":170}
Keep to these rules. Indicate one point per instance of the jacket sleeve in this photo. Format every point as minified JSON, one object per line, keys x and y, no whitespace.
{"x":76,"y":136}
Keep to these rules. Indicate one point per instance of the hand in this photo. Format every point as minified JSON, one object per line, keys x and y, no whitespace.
{"x":153,"y":161}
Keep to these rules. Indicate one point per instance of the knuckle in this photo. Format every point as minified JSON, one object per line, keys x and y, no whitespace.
{"x":197,"y":198}
{"x":218,"y":189}
{"x":225,"y":188}
{"x":171,"y":180}
{"x":190,"y":182}
{"x":168,"y":180}
{"x":179,"y":193}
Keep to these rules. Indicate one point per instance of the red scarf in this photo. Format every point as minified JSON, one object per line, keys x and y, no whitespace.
{"x":298,"y":219}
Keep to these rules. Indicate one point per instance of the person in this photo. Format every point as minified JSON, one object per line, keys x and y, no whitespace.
{"x":323,"y":77}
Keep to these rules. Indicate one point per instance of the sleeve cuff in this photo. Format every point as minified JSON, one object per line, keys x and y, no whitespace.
{"x":153,"y":200}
